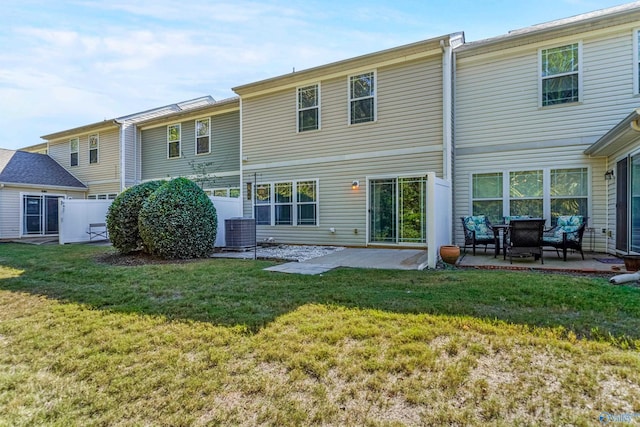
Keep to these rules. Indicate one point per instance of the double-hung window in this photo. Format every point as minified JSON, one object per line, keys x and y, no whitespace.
{"x":203,"y":136}
{"x":263,"y":204}
{"x":173,"y":141}
{"x":362,"y":98}
{"x":283,"y":205}
{"x":560,"y":74}
{"x":93,"y":148}
{"x":287,"y":203}
{"x":308,"y":108}
{"x":546,"y":193}
{"x":74,"y":146}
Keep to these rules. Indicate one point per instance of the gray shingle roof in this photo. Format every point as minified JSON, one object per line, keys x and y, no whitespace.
{"x":21,"y":167}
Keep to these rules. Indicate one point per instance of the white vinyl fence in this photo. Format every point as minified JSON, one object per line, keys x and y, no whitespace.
{"x":76,"y":216}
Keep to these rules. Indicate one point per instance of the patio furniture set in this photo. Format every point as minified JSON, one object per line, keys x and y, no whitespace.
{"x":520,"y":236}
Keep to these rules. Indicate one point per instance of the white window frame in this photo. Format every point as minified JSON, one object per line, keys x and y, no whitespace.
{"x":541,"y":77}
{"x":315,"y":107}
{"x":97,"y":149}
{"x":546,"y":188}
{"x":77,"y":152}
{"x":294,"y":202}
{"x":636,"y":63}
{"x":208,"y":135}
{"x":179,"y":140}
{"x":374,"y":73}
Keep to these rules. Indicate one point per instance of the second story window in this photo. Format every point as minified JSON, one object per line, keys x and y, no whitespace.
{"x":203,"y":137}
{"x":560,"y":75}
{"x":362,"y":98}
{"x":73,"y":151}
{"x":93,"y":148}
{"x":308,"y":108}
{"x":173,"y":141}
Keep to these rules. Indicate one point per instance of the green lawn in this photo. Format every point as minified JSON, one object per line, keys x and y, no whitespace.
{"x":222,"y":342}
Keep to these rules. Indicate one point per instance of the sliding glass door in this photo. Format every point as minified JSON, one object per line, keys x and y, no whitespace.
{"x":40,"y":214}
{"x":397,"y":210}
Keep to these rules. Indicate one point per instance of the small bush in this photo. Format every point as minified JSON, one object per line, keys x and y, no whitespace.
{"x":122,"y":216}
{"x":178,"y":221}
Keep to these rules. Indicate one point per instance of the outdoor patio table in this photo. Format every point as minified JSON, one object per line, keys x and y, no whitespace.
{"x":497,"y":230}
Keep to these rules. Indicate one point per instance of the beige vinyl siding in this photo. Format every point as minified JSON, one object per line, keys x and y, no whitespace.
{"x":499,"y":125}
{"x":497,"y":98}
{"x":225,"y":149}
{"x":106,"y":171}
{"x":406,"y":139}
{"x":10,"y":207}
{"x":339,"y":205}
{"x":409,"y":103}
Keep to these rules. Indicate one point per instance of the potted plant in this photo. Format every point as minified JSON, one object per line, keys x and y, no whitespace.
{"x":631,"y":262}
{"x":450,"y":253}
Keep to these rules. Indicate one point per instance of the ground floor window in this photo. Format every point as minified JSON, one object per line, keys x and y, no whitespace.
{"x":397,"y":210}
{"x":224,"y":192}
{"x":541,"y":193}
{"x":40,"y":214}
{"x":286,"y":203}
{"x":108,"y":196}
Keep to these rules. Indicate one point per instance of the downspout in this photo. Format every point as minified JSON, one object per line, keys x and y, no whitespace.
{"x":122,"y":154}
{"x":241,"y":163}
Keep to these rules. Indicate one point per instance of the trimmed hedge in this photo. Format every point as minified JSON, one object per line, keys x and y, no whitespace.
{"x":178,"y":221}
{"x":122,"y":216}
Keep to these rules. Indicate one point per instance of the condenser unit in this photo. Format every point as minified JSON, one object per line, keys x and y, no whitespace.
{"x":240,"y":233}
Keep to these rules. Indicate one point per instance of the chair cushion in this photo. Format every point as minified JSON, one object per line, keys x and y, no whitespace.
{"x":478,"y":223}
{"x":570,"y":220}
{"x":556,"y":237}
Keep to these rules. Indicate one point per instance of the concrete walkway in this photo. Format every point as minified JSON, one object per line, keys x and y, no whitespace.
{"x":394,"y":259}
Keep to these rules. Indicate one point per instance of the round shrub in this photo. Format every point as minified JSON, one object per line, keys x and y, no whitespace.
{"x":178,"y":221}
{"x":122,"y":216}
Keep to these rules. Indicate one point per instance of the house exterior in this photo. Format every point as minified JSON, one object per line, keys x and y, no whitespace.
{"x":531,"y":110}
{"x":345,"y":153}
{"x":104,"y":155}
{"x":202,"y":144}
{"x":30,"y":186}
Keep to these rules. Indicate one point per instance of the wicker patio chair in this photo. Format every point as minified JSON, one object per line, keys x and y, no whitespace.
{"x":478,"y":231}
{"x":525,"y":239}
{"x":566,"y":234}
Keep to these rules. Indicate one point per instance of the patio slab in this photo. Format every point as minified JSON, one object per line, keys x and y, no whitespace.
{"x":593,"y":262}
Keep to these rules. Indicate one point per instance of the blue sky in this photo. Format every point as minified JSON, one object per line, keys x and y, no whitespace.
{"x":65,"y":64}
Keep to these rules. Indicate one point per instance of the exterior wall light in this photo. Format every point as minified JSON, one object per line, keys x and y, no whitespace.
{"x":355,"y":185}
{"x":609,"y":175}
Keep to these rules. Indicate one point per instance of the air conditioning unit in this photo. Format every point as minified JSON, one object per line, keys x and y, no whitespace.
{"x":240,"y":233}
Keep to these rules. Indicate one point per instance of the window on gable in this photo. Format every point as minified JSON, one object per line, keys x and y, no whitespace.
{"x":173,"y":141}
{"x":74,"y":145}
{"x":560,"y":75}
{"x":93,"y":148}
{"x":362,"y":98}
{"x":308,"y":108}
{"x":203,"y":137}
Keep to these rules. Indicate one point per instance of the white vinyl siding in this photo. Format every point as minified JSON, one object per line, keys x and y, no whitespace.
{"x":636,"y":62}
{"x":173,"y":141}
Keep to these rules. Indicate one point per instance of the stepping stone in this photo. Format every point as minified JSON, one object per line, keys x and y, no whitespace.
{"x":301,"y":268}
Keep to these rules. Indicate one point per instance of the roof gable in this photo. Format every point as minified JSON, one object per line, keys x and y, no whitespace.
{"x":21,"y":167}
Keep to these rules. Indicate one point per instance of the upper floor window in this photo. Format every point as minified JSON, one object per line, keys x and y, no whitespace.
{"x":560,"y":74}
{"x":173,"y":141}
{"x":362,"y":98}
{"x":93,"y":148}
{"x":203,"y":137}
{"x":308,"y":108}
{"x":74,"y":145}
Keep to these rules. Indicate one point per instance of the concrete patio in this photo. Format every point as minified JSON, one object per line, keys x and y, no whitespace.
{"x":593,"y":262}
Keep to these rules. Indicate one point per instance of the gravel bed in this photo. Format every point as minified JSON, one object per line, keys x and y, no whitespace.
{"x":295,"y":252}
